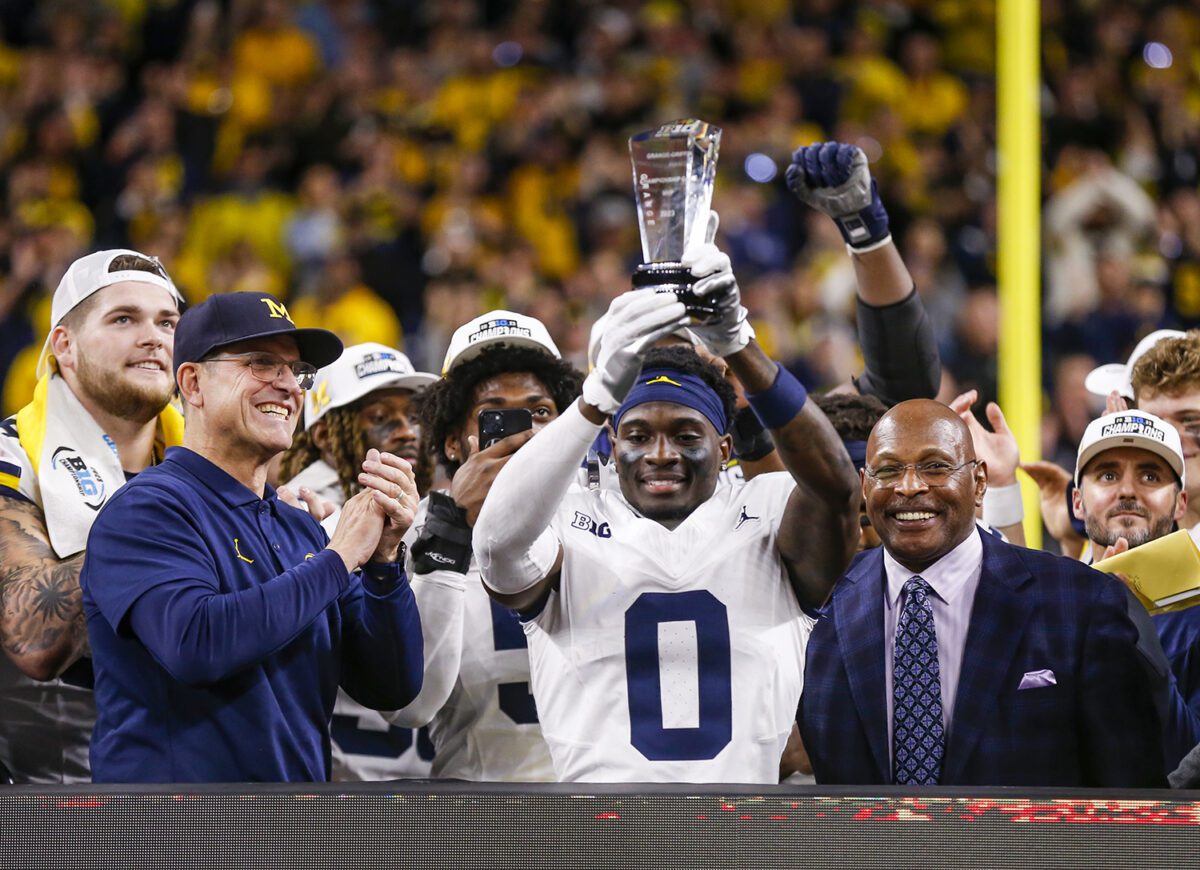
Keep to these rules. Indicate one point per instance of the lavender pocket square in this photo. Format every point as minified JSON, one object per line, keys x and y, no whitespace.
{"x":1037,"y":680}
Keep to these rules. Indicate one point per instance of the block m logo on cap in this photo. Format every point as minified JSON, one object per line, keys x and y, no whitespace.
{"x":320,"y":397}
{"x":277,"y":309}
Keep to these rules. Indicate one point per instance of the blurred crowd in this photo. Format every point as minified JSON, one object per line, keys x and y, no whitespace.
{"x":393,"y":168}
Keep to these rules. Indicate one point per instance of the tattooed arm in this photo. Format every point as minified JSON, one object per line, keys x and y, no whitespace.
{"x":42,"y":628}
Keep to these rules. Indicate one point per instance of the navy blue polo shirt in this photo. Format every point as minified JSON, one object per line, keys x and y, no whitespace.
{"x":221,"y":628}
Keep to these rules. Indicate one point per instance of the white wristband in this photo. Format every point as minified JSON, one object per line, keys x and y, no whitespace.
{"x":1002,"y":506}
{"x":866,"y":249}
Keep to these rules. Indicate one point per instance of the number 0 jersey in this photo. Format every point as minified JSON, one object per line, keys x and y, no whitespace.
{"x":670,"y":656}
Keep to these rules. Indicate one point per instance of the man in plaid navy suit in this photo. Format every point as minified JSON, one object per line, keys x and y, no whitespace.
{"x":1031,"y":657}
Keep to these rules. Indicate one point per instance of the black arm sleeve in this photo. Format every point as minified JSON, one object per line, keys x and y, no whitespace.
{"x":751,"y":440}
{"x":900,"y":351}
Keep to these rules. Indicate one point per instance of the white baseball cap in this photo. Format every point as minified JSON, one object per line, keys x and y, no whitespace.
{"x":1102,"y":380}
{"x":497,"y":327}
{"x":1131,"y":429}
{"x":361,"y":369}
{"x":91,"y":273}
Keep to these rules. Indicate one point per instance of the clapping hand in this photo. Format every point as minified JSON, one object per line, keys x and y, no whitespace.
{"x":307,"y":500}
{"x":393,"y":487}
{"x":1053,"y":481}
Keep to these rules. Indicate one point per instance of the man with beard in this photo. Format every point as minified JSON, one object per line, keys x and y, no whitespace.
{"x":1129,"y":479}
{"x":1163,"y":377}
{"x":98,"y":417}
{"x":949,"y":657}
{"x":366,"y":400}
{"x":1130,"y":482}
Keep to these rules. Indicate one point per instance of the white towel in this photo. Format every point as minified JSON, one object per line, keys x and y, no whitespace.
{"x":76,"y":463}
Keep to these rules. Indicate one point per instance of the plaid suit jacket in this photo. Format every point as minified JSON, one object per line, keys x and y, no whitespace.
{"x":1097,"y":726}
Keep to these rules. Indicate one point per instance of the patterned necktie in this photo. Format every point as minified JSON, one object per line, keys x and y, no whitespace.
{"x":918,"y":736}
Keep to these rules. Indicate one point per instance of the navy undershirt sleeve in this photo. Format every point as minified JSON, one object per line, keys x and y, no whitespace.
{"x":383,"y":650}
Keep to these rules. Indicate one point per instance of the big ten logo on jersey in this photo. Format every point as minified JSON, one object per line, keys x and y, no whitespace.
{"x":515,"y":698}
{"x":585,"y":523}
{"x":87,"y":480}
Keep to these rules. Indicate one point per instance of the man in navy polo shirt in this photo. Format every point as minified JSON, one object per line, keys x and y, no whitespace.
{"x":222,"y":620}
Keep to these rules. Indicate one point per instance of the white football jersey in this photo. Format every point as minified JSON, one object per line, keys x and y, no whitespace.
{"x":670,"y":656}
{"x":488,"y":729}
{"x":475,"y":697}
{"x":366,"y":747}
{"x":45,"y":727}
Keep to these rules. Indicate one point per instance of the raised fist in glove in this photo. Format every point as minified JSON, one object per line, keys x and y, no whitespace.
{"x":635,"y":320}
{"x":728,"y":331}
{"x":833,"y":178}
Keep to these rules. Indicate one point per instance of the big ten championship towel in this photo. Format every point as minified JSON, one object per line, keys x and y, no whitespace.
{"x":76,"y":464}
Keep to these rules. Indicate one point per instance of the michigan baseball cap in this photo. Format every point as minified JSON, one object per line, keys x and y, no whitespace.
{"x":1102,"y":380}
{"x":361,"y":369}
{"x":495,"y":328}
{"x":227,"y":318}
{"x":1131,"y":429}
{"x":92,"y":273}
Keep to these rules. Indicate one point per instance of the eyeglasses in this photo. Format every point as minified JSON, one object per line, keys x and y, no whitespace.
{"x":934,"y":473}
{"x":268,"y":367}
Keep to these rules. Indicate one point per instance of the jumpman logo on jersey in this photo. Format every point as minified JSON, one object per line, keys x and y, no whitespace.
{"x":744,"y":517}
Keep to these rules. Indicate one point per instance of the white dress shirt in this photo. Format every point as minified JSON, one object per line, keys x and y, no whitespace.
{"x":953,"y":579}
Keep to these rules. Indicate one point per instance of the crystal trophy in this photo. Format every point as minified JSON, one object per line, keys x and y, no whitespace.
{"x":674,"y":168}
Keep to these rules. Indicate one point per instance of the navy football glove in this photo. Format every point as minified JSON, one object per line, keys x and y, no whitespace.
{"x":834,"y":179}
